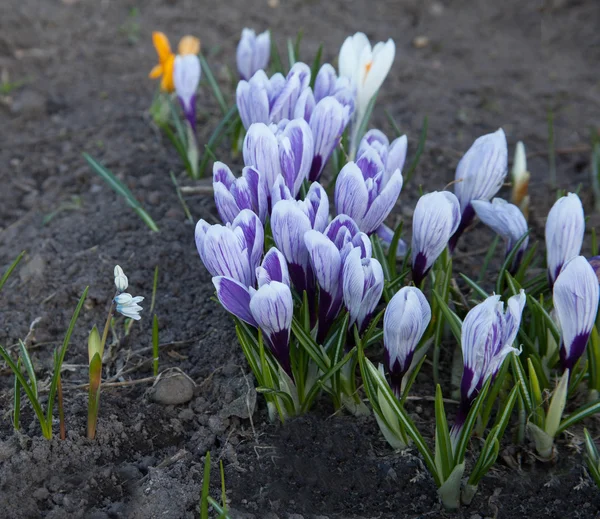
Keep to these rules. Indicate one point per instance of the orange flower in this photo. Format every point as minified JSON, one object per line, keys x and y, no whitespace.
{"x":166,"y":58}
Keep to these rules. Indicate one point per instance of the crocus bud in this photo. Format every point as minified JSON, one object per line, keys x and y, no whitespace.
{"x":232,"y":250}
{"x":327,"y":123}
{"x":435,"y":220}
{"x":392,"y":155}
{"x":296,"y":149}
{"x":186,"y":76}
{"x":253,"y":53}
{"x":362,"y":286}
{"x":405,"y":320}
{"x":252,"y":97}
{"x":479,"y":176}
{"x":328,"y":84}
{"x":290,"y":221}
{"x":487,"y":337}
{"x":297,"y":80}
{"x":508,"y":221}
{"x":327,"y":252}
{"x":367,"y":69}
{"x":565,"y":228}
{"x":366,"y":192}
{"x":575,"y":297}
{"x":120,"y":279}
{"x":520,"y":180}
{"x":261,"y":151}
{"x":232,"y":195}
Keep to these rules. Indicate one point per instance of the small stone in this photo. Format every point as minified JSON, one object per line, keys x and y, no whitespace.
{"x":421,"y":42}
{"x":41,"y":494}
{"x":34,"y":268}
{"x":172,"y":387}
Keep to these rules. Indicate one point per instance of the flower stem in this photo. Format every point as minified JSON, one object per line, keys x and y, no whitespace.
{"x":61,"y":410}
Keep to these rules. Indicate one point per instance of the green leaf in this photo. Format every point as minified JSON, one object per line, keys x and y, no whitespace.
{"x":581,"y":413}
{"x":281,"y":394}
{"x":155,"y":353}
{"x":213,"y":84}
{"x":215,"y":138}
{"x":338,"y":352}
{"x":315,"y":66}
{"x":475,"y":287}
{"x":536,"y":395}
{"x":557,"y":406}
{"x":545,"y":316}
{"x":205,"y":488}
{"x":443,"y":445}
{"x":411,"y":380}
{"x":420,"y":148}
{"x":61,"y":357}
{"x":12,"y":267}
{"x":26,"y":359}
{"x":593,"y":352}
{"x":526,"y":262}
{"x":291,"y":52}
{"x":397,"y":131}
{"x":508,"y":262}
{"x":310,"y":346}
{"x":121,"y":190}
{"x":17,"y":400}
{"x":276,"y":64}
{"x":519,"y":374}
{"x":362,"y":129}
{"x":451,"y":318}
{"x":393,"y":249}
{"x":467,"y":428}
{"x":488,"y":257}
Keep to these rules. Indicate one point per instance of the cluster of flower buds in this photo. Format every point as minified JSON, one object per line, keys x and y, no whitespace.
{"x":127,"y":305}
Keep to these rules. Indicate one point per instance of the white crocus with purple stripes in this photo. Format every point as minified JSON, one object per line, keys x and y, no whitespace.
{"x":186,"y":77}
{"x":508,"y":221}
{"x":575,"y":297}
{"x":290,"y":221}
{"x":269,"y":308}
{"x":405,"y":320}
{"x":327,"y":252}
{"x":435,"y":220}
{"x":253,"y":52}
{"x":232,"y":250}
{"x":232,"y":195}
{"x":479,"y":176}
{"x":270,"y":100}
{"x":362,"y":286}
{"x":366,"y":190}
{"x":487,"y":337}
{"x":565,"y":228}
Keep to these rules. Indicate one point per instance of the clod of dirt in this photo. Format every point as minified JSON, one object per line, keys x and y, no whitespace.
{"x":172,"y":387}
{"x":30,"y":104}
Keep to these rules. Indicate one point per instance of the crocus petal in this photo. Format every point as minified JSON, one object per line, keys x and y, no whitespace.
{"x":325,"y":82}
{"x":565,"y":228}
{"x":374,"y":68}
{"x":350,"y":51}
{"x":225,"y":202}
{"x":186,"y":76}
{"x":351,"y":196}
{"x":386,"y":234}
{"x":261,"y":151}
{"x":280,"y":191}
{"x":224,"y":255}
{"x":316,"y":206}
{"x":252,"y":99}
{"x":273,"y":268}
{"x":188,"y":45}
{"x":325,"y":260}
{"x":235,"y":298}
{"x":252,"y":236}
{"x":575,"y":297}
{"x":383,"y":204}
{"x":302,"y":149}
{"x":162,"y":46}
{"x":397,"y":154}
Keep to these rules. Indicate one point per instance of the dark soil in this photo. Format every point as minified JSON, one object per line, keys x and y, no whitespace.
{"x":84,"y":65}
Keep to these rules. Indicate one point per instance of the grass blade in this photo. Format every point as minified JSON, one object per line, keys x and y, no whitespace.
{"x":205,"y":488}
{"x":215,"y":138}
{"x":26,"y":359}
{"x":186,"y":209}
{"x":315,"y":66}
{"x":213,"y":84}
{"x":155,"y":356}
{"x":12,"y":267}
{"x":420,"y":148}
{"x":17,"y":400}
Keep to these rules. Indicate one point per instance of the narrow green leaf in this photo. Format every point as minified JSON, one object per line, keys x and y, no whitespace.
{"x":17,"y":400}
{"x":310,"y":346}
{"x":316,"y":65}
{"x":557,"y":406}
{"x":26,"y":359}
{"x":12,"y":267}
{"x":155,"y":352}
{"x":392,"y":259}
{"x":420,"y":148}
{"x":443,"y":444}
{"x":215,"y":138}
{"x":213,"y":84}
{"x":519,"y":374}
{"x":467,"y":428}
{"x":276,"y":58}
{"x":291,"y":53}
{"x":509,"y":260}
{"x":580,"y":414}
{"x":451,"y":318}
{"x":593,"y":352}
{"x":205,"y":488}
{"x":397,"y":131}
{"x":297,"y":45}
{"x":488,"y":257}
{"x":546,"y":317}
{"x":475,"y":287}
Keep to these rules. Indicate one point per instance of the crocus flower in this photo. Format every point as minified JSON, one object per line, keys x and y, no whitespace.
{"x":253,"y":53}
{"x":327,"y":123}
{"x":520,"y":180}
{"x":269,"y":100}
{"x":405,"y":320}
{"x":269,"y":308}
{"x":487,"y":337}
{"x":166,"y":58}
{"x":290,"y":220}
{"x":127,"y":305}
{"x":479,"y":176}
{"x":232,"y":195}
{"x":327,"y":252}
{"x":392,"y":155}
{"x":233,"y":250}
{"x":436,"y":218}
{"x":121,"y":281}
{"x":285,"y":149}
{"x":565,"y":228}
{"x":366,"y":68}
{"x":328,"y":84}
{"x":362,"y":286}
{"x":507,"y":220}
{"x":575,"y":297}
{"x":186,"y":76}
{"x":366,"y":191}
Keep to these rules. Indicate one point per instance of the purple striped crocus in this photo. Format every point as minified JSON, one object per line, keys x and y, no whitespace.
{"x":506,"y":220}
{"x":253,"y":52}
{"x":436,"y":218}
{"x":479,"y":176}
{"x":233,"y":250}
{"x":366,"y":190}
{"x":290,"y":221}
{"x":186,"y":77}
{"x":487,"y":337}
{"x":565,"y":228}
{"x":232,"y":195}
{"x":405,"y":320}
{"x":327,"y":252}
{"x":269,"y":308}
{"x":270,"y":100}
{"x":362,"y":286}
{"x":575,"y":297}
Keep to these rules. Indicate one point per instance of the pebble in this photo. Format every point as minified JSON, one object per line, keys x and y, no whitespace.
{"x":421,"y":42}
{"x":172,"y":387}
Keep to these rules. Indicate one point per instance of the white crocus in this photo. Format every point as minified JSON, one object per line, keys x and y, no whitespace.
{"x":366,"y":68}
{"x":121,"y":281}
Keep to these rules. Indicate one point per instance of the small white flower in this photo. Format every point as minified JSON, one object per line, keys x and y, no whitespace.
{"x":120,"y":279}
{"x":128,"y":305}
